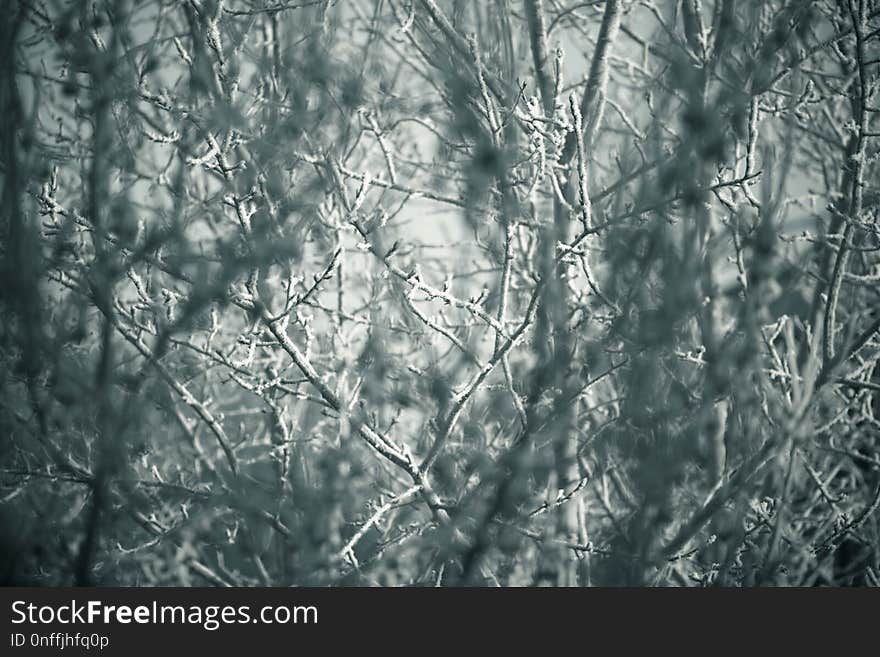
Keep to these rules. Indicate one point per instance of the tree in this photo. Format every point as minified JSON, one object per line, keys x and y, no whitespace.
{"x":440,"y":292}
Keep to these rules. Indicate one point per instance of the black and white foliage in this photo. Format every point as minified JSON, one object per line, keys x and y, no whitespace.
{"x":440,"y":292}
